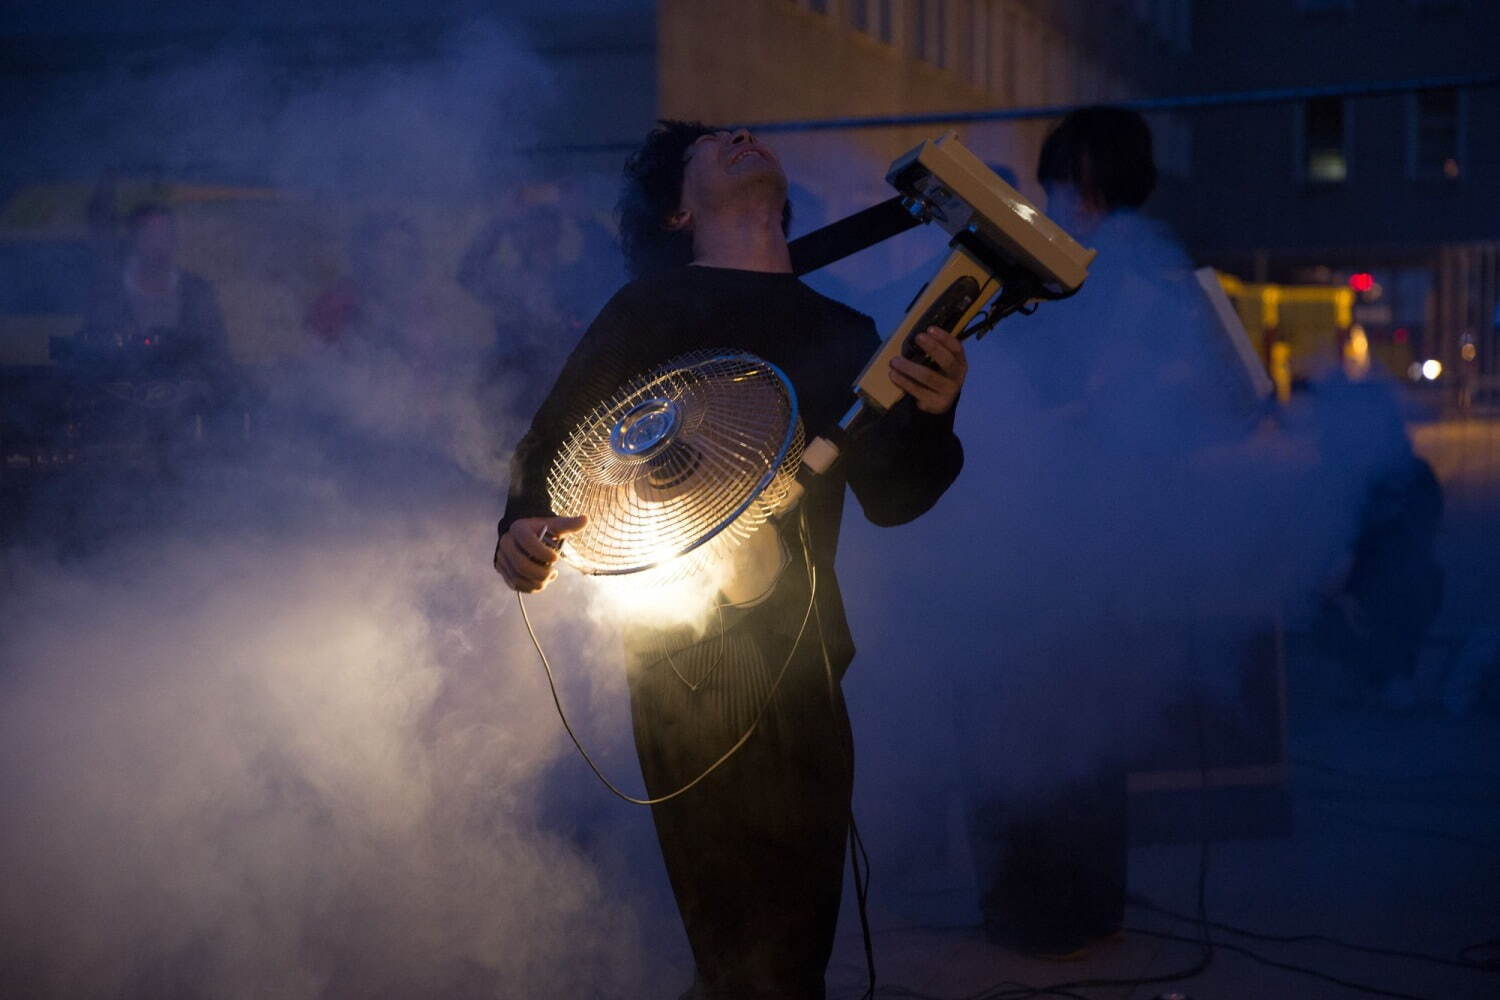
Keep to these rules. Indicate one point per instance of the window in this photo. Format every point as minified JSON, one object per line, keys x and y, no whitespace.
{"x":1434,"y":148}
{"x":1002,"y":73}
{"x":937,"y":35}
{"x":1324,"y":141}
{"x":917,"y":28}
{"x":976,"y":44}
{"x":1058,"y":58}
{"x":1029,"y":67}
{"x":1184,"y":29}
{"x":873,"y":17}
{"x":861,"y":15}
{"x":928,"y":21}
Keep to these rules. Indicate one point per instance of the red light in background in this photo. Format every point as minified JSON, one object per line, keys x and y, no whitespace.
{"x":1401,"y":335}
{"x":1362,"y":282}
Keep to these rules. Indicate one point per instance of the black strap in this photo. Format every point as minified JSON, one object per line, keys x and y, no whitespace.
{"x":850,"y":235}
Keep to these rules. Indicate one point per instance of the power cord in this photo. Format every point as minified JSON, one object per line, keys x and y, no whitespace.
{"x":1491,"y":964}
{"x":1416,"y":956}
{"x":1009,"y":990}
{"x":812,"y":585}
{"x":1490,"y":780}
{"x":1288,"y":966}
{"x":857,"y":852}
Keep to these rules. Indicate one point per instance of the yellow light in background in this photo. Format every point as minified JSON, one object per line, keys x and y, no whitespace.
{"x":1431,"y":369}
{"x":1281,"y":369}
{"x":1357,"y":353}
{"x":1270,"y":302}
{"x":1343,"y":303}
{"x":1468,"y":352}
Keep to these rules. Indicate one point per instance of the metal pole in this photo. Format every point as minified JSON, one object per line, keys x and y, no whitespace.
{"x":1189,"y":102}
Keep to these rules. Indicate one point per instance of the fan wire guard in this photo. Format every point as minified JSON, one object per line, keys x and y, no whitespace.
{"x":689,"y":458}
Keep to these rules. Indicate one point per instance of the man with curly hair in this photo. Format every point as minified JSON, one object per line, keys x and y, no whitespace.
{"x":755,"y":852}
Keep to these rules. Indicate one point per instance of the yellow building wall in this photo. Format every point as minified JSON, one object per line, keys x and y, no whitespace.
{"x":774,"y":60}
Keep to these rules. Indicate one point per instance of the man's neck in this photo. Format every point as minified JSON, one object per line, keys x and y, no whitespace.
{"x":748,"y":238}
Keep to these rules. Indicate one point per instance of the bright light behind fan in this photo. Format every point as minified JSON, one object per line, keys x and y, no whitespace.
{"x":680,"y":467}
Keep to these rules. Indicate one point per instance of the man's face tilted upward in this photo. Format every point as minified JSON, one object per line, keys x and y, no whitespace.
{"x":729,"y":171}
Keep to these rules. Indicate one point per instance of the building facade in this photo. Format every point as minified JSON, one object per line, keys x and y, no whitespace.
{"x":1395,"y":196}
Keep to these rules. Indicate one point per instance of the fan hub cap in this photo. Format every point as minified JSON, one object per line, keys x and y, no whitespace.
{"x":646,"y":428}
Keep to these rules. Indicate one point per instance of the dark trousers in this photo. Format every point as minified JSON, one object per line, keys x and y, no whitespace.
{"x":755,"y":852}
{"x":1052,"y":866}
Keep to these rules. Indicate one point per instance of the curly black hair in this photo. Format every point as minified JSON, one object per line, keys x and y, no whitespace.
{"x":653,"y":193}
{"x":1104,"y":149}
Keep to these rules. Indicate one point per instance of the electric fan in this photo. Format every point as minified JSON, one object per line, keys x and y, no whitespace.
{"x":678,"y":473}
{"x":680,"y":468}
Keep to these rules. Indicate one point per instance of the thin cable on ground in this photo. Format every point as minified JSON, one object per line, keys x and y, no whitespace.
{"x":1491,"y":780}
{"x":1287,"y":966}
{"x":1010,"y":990}
{"x":812,"y":585}
{"x":1491,"y":964}
{"x":1473,"y":843}
{"x":1206,"y":956}
{"x":1416,"y":956}
{"x":857,"y":852}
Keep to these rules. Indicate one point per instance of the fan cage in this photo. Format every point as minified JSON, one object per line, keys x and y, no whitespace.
{"x":726,"y":466}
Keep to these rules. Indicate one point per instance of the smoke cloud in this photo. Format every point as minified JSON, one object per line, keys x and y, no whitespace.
{"x":269,"y":725}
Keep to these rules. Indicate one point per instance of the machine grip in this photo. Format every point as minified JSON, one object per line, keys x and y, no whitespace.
{"x":946,"y":313}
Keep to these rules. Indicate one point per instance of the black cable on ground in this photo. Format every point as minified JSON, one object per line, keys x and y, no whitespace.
{"x":1287,"y":966}
{"x":1416,"y":956}
{"x":1491,"y":780}
{"x":857,"y":852}
{"x":1473,"y":843}
{"x":1009,"y":990}
{"x":1205,"y":959}
{"x":1491,"y":964}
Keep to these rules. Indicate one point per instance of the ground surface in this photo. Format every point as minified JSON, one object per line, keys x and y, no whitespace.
{"x":1396,"y":840}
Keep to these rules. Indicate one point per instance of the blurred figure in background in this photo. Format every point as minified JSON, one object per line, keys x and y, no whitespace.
{"x":1129,"y":375}
{"x":386,"y":301}
{"x":142,"y":298}
{"x":543,"y":270}
{"x":1138,"y":339}
{"x":1382,"y":598}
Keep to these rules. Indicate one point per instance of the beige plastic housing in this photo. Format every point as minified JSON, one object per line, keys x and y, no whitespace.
{"x":874,"y":384}
{"x":961,"y":192}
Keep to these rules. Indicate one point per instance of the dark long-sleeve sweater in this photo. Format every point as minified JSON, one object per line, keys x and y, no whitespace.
{"x":898,"y":469}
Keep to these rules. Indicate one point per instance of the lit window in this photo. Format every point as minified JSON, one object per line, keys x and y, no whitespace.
{"x":1435,"y":134}
{"x":1324,"y":157}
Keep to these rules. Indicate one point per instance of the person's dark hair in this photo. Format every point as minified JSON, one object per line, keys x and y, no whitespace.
{"x":1104,"y":151}
{"x":143,"y":213}
{"x":653,"y":193}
